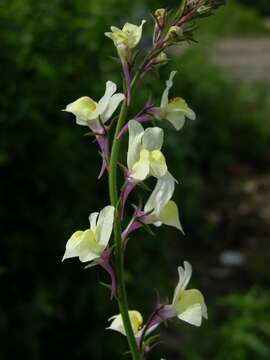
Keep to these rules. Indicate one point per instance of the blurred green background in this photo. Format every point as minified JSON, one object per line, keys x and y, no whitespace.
{"x":53,"y":52}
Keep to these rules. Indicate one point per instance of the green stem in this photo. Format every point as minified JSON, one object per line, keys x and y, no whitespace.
{"x":119,"y":251}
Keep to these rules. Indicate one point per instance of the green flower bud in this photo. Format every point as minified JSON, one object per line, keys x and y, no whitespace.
{"x":160,"y":13}
{"x":174,"y":34}
{"x":161,"y":59}
{"x":203,"y":9}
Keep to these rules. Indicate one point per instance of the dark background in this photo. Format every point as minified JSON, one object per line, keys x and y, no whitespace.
{"x":51,"y":54}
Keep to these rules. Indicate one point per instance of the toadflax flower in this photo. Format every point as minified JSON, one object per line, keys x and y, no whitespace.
{"x":88,"y":245}
{"x":92,"y":244}
{"x":159,"y":208}
{"x":136,"y":321}
{"x":95,"y":114}
{"x":144,"y":156}
{"x":187,"y":305}
{"x":174,"y":110}
{"x":126,"y":39}
{"x":91,"y":113}
{"x":140,"y":331}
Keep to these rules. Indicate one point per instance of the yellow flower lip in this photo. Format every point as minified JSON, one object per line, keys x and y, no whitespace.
{"x":156,"y":155}
{"x":83,"y":108}
{"x":136,"y":321}
{"x":178,"y":102}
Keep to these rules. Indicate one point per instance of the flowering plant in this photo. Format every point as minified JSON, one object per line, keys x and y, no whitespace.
{"x":145,"y":158}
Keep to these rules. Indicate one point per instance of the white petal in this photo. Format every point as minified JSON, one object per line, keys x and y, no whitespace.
{"x":134,"y":33}
{"x":190,"y":307}
{"x":169,"y":84}
{"x":135,"y":319}
{"x":89,"y":249}
{"x":115,"y":29}
{"x":161,"y":194}
{"x":153,"y":138}
{"x":184,"y":278}
{"x":93,"y":220}
{"x":105,"y":225}
{"x":190,"y":114}
{"x":104,"y":101}
{"x":134,"y":143}
{"x":88,"y":256}
{"x":114,"y":102}
{"x":176,"y":118}
{"x":169,"y":215}
{"x":117,"y":324}
{"x":193,"y":315}
{"x":141,"y":169}
{"x":72,"y":245}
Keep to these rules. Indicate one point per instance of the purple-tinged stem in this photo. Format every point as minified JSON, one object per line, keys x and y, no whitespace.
{"x":104,"y":261}
{"x":187,"y":17}
{"x":103,"y":143}
{"x":163,"y":312}
{"x":126,"y":190}
{"x":150,"y":326}
{"x":134,"y":225}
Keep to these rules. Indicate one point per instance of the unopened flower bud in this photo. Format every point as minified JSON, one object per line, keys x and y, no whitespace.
{"x":174,"y":34}
{"x":161,"y":59}
{"x":160,"y":14}
{"x":203,"y":9}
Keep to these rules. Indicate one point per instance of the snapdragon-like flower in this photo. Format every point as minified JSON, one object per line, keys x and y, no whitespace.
{"x":136,"y":321}
{"x":140,"y":330}
{"x":144,"y":156}
{"x":88,"y":245}
{"x":187,"y":305}
{"x":90,"y":113}
{"x":95,"y":114}
{"x":174,"y":110}
{"x":125,"y":39}
{"x":159,"y":208}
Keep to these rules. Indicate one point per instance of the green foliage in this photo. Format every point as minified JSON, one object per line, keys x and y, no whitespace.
{"x":260,"y":5}
{"x":247,"y":333}
{"x":241,"y":330}
{"x":233,"y":19}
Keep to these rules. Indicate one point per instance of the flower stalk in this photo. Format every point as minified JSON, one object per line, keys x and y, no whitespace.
{"x":144,"y":160}
{"x":119,"y":250}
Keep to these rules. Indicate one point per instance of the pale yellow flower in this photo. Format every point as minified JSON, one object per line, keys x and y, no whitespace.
{"x":144,"y":156}
{"x":89,"y":244}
